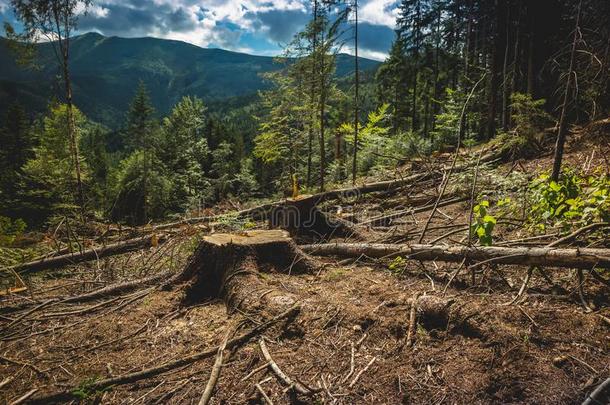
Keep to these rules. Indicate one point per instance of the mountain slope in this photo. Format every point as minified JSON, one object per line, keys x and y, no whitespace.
{"x":106,"y":71}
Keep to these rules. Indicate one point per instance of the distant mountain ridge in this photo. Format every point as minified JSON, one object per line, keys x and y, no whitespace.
{"x":106,"y":71}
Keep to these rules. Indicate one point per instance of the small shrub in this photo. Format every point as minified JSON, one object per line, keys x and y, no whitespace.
{"x":573,"y":201}
{"x":85,"y":390}
{"x":397,"y":265}
{"x":483,"y":223}
{"x":529,"y":119}
{"x":10,"y":229}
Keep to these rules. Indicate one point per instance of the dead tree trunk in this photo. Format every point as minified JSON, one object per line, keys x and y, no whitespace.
{"x":563,"y":119}
{"x":301,"y":216}
{"x":230,"y":265}
{"x":580,"y":258}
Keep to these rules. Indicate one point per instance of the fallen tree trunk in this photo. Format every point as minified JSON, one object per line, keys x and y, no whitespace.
{"x":386,"y":219}
{"x":580,"y":258}
{"x":263,"y":211}
{"x":89,"y":254}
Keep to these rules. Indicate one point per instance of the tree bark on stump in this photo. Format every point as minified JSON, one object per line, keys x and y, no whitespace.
{"x":230,"y":266}
{"x":301,"y":216}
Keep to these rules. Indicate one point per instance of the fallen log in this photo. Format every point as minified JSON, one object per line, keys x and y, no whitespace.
{"x":263,"y":211}
{"x":89,"y":254}
{"x":580,"y":258}
{"x":386,"y":219}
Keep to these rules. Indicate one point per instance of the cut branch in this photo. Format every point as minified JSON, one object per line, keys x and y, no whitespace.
{"x":89,"y":254}
{"x":291,"y":313}
{"x":386,"y":219}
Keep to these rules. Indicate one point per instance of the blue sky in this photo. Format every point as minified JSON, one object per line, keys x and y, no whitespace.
{"x":252,"y":26}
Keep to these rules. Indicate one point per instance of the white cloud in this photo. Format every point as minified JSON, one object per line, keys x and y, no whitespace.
{"x":365,"y":53}
{"x":221,"y":23}
{"x":98,"y":11}
{"x":234,"y":11}
{"x":379,"y":12}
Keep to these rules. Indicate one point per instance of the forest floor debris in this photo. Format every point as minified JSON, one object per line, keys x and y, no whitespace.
{"x":362,"y":330}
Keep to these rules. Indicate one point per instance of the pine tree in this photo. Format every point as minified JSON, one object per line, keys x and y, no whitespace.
{"x":184,"y":152}
{"x":393,"y":84}
{"x":17,"y":143}
{"x":141,"y":131}
{"x":50,"y":173}
{"x":55,"y":21}
{"x":94,"y":151}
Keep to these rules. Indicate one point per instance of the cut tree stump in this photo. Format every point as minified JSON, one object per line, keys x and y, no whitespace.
{"x":301,"y":216}
{"x":229,"y":266}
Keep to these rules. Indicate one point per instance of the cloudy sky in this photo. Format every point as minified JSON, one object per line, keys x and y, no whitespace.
{"x":253,"y":26}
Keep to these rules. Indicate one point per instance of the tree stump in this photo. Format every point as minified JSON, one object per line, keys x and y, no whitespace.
{"x":230,"y":266}
{"x":301,"y":216}
{"x":433,"y":312}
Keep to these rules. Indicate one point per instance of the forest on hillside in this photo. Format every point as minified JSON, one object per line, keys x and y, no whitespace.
{"x":512,"y":68}
{"x":433,"y":228}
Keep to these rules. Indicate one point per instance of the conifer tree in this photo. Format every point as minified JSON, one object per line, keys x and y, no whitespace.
{"x":184,"y":152}
{"x":17,"y":143}
{"x":393,"y":83}
{"x":141,"y":130}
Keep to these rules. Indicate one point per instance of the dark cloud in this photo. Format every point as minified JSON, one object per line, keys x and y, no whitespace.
{"x":137,"y":17}
{"x":280,"y":25}
{"x":180,"y":20}
{"x":208,"y":22}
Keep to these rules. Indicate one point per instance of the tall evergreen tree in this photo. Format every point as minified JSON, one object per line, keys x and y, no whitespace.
{"x":17,"y":143}
{"x":393,"y":83}
{"x":49,"y":174}
{"x":184,"y":152}
{"x":141,"y":132}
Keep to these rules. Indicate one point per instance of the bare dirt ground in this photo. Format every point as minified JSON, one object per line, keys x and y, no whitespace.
{"x":349,"y":342}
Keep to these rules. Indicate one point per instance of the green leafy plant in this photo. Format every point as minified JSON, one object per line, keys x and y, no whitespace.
{"x":86,"y":390}
{"x":397,"y":265}
{"x":483,"y":223}
{"x":573,"y":201}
